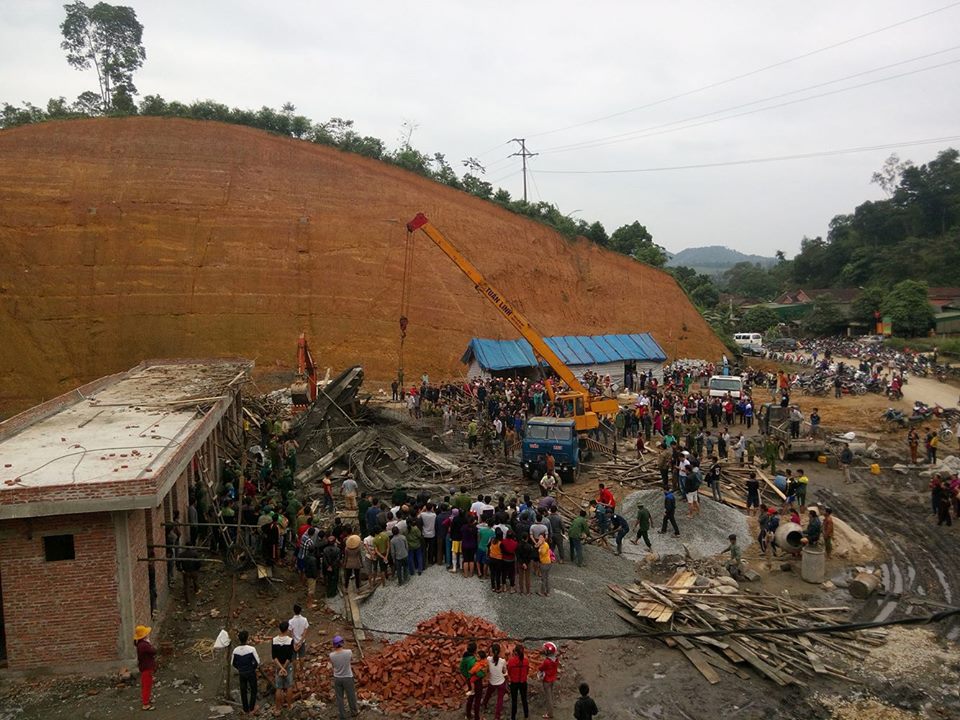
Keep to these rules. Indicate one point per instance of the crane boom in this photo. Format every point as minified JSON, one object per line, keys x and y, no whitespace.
{"x":523,"y":326}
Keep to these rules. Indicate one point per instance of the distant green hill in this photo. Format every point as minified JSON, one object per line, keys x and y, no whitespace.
{"x":714,"y":259}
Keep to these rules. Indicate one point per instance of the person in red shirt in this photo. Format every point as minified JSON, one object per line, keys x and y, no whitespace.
{"x":146,"y":663}
{"x":548,"y":675}
{"x":518,"y":668}
{"x":605,"y":506}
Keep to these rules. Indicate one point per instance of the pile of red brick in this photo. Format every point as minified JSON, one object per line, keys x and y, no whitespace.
{"x":422,"y":670}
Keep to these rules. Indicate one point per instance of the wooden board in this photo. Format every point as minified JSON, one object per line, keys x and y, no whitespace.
{"x":685,"y":581}
{"x":699,"y":661}
{"x":764,"y":668}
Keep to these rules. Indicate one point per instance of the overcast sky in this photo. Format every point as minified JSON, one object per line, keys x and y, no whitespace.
{"x":470,"y":76}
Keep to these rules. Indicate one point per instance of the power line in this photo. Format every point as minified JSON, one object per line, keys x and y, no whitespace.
{"x":559,"y":148}
{"x":821,"y":629}
{"x":752,"y":161}
{"x":495,"y":147}
{"x":655,"y":130}
{"x":536,"y":189}
{"x":729,"y":80}
{"x":504,"y":177}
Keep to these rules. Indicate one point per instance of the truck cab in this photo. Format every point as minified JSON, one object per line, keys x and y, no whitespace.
{"x":722,"y":385}
{"x":550,"y":436}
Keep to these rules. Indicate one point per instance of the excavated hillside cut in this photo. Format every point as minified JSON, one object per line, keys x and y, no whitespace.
{"x":123,"y":239}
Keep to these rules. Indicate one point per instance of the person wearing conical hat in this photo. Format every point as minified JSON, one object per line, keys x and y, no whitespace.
{"x":146,"y":663}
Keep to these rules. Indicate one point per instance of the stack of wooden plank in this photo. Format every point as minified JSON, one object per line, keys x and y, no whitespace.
{"x":786,"y":659}
{"x":733,"y":485}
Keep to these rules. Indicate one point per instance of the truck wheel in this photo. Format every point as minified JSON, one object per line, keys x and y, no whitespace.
{"x":781,"y":452}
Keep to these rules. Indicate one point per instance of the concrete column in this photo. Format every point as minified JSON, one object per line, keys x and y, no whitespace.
{"x":125,"y":560}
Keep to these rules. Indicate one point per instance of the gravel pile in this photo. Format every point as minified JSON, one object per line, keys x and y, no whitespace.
{"x":578,"y":603}
{"x":703,"y":536}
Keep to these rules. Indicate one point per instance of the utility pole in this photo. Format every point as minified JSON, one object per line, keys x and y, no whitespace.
{"x":523,"y":154}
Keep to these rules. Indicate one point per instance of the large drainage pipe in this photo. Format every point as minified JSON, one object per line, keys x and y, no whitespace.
{"x":789,"y":536}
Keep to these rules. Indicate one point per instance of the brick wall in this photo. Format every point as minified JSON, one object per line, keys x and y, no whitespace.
{"x":59,"y":613}
{"x":79,"y":491}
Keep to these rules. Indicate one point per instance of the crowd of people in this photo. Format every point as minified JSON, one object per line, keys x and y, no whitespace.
{"x":287,"y":650}
{"x":487,"y":676}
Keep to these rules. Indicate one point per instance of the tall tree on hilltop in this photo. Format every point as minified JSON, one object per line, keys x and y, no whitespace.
{"x":637,"y":242}
{"x":110,"y":39}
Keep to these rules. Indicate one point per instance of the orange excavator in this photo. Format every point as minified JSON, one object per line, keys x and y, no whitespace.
{"x":586,"y":409}
{"x":303,"y":389}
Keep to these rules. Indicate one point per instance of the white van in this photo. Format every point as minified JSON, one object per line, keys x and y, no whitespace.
{"x":748,"y":339}
{"x":720,"y":385}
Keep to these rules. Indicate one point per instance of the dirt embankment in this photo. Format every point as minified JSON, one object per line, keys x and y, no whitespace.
{"x":147,"y":237}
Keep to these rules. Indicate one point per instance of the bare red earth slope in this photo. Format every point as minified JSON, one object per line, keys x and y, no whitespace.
{"x":122,"y":239}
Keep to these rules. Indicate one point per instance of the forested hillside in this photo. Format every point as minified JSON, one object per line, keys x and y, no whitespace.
{"x":914,"y":234}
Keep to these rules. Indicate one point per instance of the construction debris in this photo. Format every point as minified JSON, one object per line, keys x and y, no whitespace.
{"x":421,"y":671}
{"x":690,"y":603}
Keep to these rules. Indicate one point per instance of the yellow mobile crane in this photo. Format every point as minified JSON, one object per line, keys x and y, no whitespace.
{"x":585,"y":409}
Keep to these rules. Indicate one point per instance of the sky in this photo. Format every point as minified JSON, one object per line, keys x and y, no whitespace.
{"x":593,"y":87}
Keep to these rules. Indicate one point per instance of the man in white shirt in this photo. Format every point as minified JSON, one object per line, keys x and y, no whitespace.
{"x":683,"y":470}
{"x":548,"y":483}
{"x":428,"y":518}
{"x":298,"y":625}
{"x":477,"y":506}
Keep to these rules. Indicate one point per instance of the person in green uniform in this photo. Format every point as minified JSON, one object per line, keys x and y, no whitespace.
{"x":578,"y":531}
{"x":643,"y":525}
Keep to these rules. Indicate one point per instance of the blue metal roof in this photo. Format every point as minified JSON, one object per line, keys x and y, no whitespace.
{"x":572,"y":349}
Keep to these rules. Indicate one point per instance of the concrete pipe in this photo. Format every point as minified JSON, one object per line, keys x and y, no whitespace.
{"x":789,"y":536}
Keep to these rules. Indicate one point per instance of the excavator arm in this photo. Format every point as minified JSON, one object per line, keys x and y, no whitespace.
{"x":517,"y":319}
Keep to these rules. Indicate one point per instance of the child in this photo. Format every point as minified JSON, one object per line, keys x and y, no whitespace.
{"x":585,"y":708}
{"x":477,"y":673}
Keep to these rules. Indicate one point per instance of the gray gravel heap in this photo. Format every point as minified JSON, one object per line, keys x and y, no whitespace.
{"x":704,"y":535}
{"x":577,"y":605}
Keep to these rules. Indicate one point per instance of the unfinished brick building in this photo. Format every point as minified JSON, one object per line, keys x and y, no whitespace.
{"x":87,"y":481}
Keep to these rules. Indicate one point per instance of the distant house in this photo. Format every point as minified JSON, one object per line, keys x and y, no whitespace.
{"x":793,"y":305}
{"x":612,"y":355}
{"x":793,"y":297}
{"x":944,"y":298}
{"x":729,"y":300}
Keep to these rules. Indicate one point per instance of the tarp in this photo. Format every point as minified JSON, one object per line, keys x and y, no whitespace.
{"x":573,"y":350}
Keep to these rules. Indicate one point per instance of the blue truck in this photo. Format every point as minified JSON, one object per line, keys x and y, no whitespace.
{"x":550,"y":436}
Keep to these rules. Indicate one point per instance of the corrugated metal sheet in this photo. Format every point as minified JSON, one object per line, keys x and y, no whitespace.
{"x":572,"y":349}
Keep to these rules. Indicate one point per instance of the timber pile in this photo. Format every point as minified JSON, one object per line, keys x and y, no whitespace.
{"x":733,"y":485}
{"x":684,"y":605}
{"x":422,"y":670}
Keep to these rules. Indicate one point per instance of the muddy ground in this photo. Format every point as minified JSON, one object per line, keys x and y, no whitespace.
{"x":915,"y":675}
